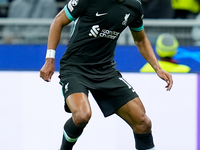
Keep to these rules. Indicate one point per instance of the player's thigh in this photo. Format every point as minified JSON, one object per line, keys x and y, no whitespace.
{"x":78,"y":102}
{"x":79,"y":105}
{"x":133,"y":113}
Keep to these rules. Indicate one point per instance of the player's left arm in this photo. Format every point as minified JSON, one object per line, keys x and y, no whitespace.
{"x":146,"y":50}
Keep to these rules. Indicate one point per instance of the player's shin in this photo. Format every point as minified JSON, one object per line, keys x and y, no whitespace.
{"x":71,"y":133}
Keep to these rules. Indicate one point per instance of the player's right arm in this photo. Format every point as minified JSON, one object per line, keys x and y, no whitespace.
{"x":58,"y":23}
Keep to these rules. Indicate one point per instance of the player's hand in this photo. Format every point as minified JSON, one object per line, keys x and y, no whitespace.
{"x":47,"y":70}
{"x":167,"y":77}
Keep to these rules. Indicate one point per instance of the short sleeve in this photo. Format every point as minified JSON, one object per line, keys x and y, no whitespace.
{"x":74,"y":8}
{"x":137,"y":24}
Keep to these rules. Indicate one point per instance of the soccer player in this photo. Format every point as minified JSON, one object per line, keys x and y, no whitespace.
{"x":88,"y":65}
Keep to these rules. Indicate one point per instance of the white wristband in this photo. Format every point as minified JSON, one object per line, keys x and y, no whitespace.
{"x":50,"y":53}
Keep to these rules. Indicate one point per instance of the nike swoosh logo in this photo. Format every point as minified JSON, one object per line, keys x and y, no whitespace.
{"x":97,"y":14}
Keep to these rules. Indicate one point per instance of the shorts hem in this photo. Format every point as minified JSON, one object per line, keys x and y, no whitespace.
{"x":117,"y":108}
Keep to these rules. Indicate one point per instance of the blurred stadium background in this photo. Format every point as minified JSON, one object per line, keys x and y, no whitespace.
{"x":181,"y":28}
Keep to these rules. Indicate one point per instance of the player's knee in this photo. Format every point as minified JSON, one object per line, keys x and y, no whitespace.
{"x":81,"y":118}
{"x":144,"y":126}
{"x":147,"y":125}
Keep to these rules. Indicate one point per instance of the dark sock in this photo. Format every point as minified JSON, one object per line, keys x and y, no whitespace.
{"x":70,"y":135}
{"x":144,"y":141}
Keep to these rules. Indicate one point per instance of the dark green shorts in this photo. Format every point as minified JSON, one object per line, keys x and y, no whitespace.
{"x":110,"y":94}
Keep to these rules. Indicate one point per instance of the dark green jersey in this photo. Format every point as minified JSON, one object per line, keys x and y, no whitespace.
{"x":98,"y":24}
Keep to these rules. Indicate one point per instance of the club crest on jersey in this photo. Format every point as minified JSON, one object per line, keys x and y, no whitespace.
{"x":125,"y":19}
{"x":72,"y":4}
